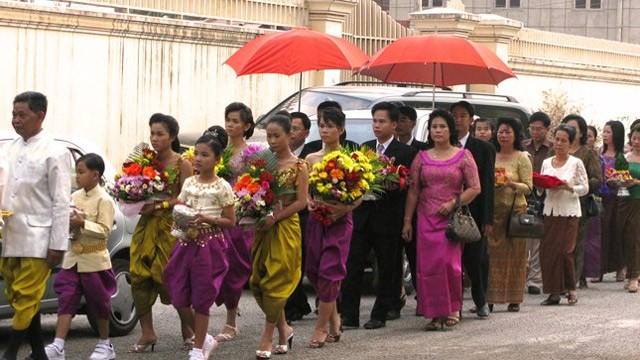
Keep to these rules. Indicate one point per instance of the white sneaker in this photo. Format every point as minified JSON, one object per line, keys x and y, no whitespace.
{"x":196,"y":354}
{"x":103,"y":352}
{"x":54,"y":353}
{"x":209,"y":345}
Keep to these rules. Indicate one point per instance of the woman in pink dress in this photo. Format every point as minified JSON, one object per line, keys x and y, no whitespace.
{"x":441,"y":177}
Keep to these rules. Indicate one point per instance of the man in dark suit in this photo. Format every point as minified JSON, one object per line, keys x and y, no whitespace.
{"x":404,"y":134}
{"x":297,"y":305}
{"x":475,"y":257}
{"x":377,"y":225}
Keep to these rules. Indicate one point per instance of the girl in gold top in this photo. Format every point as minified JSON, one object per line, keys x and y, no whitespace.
{"x":276,"y":249}
{"x":86,"y":269}
{"x":508,"y":266}
{"x":152,"y":242}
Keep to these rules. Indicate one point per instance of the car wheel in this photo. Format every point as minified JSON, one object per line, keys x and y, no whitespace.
{"x":122,"y":317}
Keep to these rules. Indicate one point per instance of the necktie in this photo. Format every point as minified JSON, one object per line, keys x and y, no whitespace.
{"x":380,"y":149}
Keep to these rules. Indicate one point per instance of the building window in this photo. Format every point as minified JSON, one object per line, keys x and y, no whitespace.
{"x":512,"y":3}
{"x":588,"y":4}
{"x":432,"y":3}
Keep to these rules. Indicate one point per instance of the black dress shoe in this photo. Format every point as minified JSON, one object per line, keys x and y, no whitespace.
{"x":374,"y":324}
{"x":483,"y":311}
{"x":533,"y":290}
{"x":349,"y":323}
{"x":393,"y":315}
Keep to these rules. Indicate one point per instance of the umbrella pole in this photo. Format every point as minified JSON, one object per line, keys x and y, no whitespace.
{"x":433,"y":96}
{"x":300,"y":93}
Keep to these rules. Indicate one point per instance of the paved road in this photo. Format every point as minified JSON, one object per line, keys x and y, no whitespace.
{"x":605,"y":324}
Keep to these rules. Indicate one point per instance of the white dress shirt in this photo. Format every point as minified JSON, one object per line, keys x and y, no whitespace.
{"x":563,"y":202}
{"x":463,"y":140}
{"x":297,"y":151}
{"x":38,"y":191}
{"x":384,"y":144}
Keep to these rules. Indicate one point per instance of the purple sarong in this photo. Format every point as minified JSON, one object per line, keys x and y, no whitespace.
{"x":327,"y":253}
{"x":239,"y":256}
{"x":194,"y":273}
{"x":97,"y":288}
{"x":592,"y":255}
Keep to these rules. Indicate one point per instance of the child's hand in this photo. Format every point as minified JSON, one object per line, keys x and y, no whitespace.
{"x":76,"y":221}
{"x":201,"y":219}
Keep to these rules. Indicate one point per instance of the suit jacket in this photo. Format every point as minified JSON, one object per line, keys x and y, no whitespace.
{"x":484,"y":155}
{"x":418,"y":145}
{"x":309,"y":148}
{"x":385,"y":215}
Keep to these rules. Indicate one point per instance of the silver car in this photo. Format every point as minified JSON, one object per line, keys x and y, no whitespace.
{"x":123,"y":316}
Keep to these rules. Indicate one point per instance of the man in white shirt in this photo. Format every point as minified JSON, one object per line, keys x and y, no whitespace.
{"x":38,"y":191}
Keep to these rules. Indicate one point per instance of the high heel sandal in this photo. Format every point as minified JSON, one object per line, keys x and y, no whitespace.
{"x":263,"y":354}
{"x":140,"y":348}
{"x":317,"y":344}
{"x":435,"y":325}
{"x":572,"y":298}
{"x":334,"y":337}
{"x":283,"y":349}
{"x":452,"y":320}
{"x":223,"y":336}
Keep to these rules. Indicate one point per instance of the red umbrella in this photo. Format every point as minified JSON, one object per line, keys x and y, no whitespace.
{"x":441,"y":60}
{"x":295,"y":51}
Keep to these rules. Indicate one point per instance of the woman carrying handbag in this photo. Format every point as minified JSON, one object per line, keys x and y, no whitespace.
{"x":508,"y":266}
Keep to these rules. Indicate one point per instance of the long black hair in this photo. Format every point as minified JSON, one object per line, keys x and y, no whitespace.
{"x":172,"y":126}
{"x":617,"y":132}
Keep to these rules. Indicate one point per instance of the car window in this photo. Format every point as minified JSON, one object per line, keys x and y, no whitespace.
{"x":311,"y":99}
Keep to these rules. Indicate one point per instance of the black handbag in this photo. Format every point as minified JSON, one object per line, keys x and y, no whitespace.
{"x":594,"y":206}
{"x":527,"y":225}
{"x":461,"y":227}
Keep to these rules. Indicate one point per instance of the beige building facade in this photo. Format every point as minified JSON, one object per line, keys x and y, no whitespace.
{"x":604,"y":19}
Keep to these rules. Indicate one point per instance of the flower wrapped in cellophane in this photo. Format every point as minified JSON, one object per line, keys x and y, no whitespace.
{"x":390,"y":172}
{"x":258,"y":188}
{"x":342,"y":176}
{"x":222,"y":169}
{"x":142,"y":177}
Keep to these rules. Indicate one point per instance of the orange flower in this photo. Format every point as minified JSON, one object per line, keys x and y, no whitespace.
{"x":149,"y":172}
{"x":133,"y":169}
{"x":253,"y":188}
{"x":337,"y":174}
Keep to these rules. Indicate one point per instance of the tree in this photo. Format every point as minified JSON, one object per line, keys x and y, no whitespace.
{"x":555,"y":102}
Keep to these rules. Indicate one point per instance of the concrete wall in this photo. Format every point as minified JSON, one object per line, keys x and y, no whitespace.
{"x":105,"y":74}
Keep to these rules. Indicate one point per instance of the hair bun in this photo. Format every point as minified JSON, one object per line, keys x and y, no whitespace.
{"x":218,"y":133}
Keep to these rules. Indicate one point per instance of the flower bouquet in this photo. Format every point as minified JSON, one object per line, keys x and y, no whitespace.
{"x":341,"y":176}
{"x":389,"y":172}
{"x":222,"y":169}
{"x":256,"y":190}
{"x":142,"y":177}
{"x":617,"y":178}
